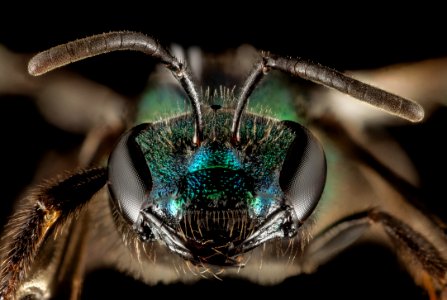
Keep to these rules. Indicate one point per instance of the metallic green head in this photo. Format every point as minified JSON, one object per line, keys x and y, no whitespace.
{"x":212,"y":202}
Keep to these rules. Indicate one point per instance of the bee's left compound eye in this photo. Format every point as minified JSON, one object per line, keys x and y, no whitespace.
{"x":303,"y":174}
{"x":129,"y":177}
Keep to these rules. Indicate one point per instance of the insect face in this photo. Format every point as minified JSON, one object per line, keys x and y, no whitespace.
{"x":212,"y":203}
{"x":209,"y":185}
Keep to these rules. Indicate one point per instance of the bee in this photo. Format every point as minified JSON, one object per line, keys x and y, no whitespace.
{"x":216,"y":183}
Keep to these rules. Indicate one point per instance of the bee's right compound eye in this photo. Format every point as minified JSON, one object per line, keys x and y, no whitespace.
{"x":129,"y":177}
{"x":303,"y":174}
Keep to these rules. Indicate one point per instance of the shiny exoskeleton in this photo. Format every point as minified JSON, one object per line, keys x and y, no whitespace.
{"x":211,"y":186}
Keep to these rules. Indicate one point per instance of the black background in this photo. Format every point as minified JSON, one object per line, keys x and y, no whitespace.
{"x":348,"y":37}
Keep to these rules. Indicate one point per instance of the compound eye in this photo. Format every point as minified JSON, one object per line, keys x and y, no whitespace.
{"x":129,"y":177}
{"x":303,"y":174}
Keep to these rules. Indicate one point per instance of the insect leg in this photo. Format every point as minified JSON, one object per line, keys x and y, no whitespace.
{"x":354,"y":150}
{"x":429,"y":262}
{"x":416,"y":249}
{"x":334,"y":239}
{"x":42,"y":214}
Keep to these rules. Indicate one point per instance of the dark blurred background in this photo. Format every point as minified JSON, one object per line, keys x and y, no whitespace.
{"x":352,"y":37}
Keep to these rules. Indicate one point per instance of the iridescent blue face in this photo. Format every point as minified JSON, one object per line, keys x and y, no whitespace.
{"x":212,"y":203}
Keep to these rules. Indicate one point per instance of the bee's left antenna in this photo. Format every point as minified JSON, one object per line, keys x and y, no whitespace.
{"x":115,"y":41}
{"x":392,"y":104}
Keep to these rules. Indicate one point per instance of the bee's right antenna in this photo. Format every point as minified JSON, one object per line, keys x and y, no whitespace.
{"x":114,"y":41}
{"x":305,"y":69}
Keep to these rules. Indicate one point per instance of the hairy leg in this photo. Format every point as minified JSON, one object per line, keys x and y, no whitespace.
{"x":416,"y":251}
{"x":42,"y":214}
